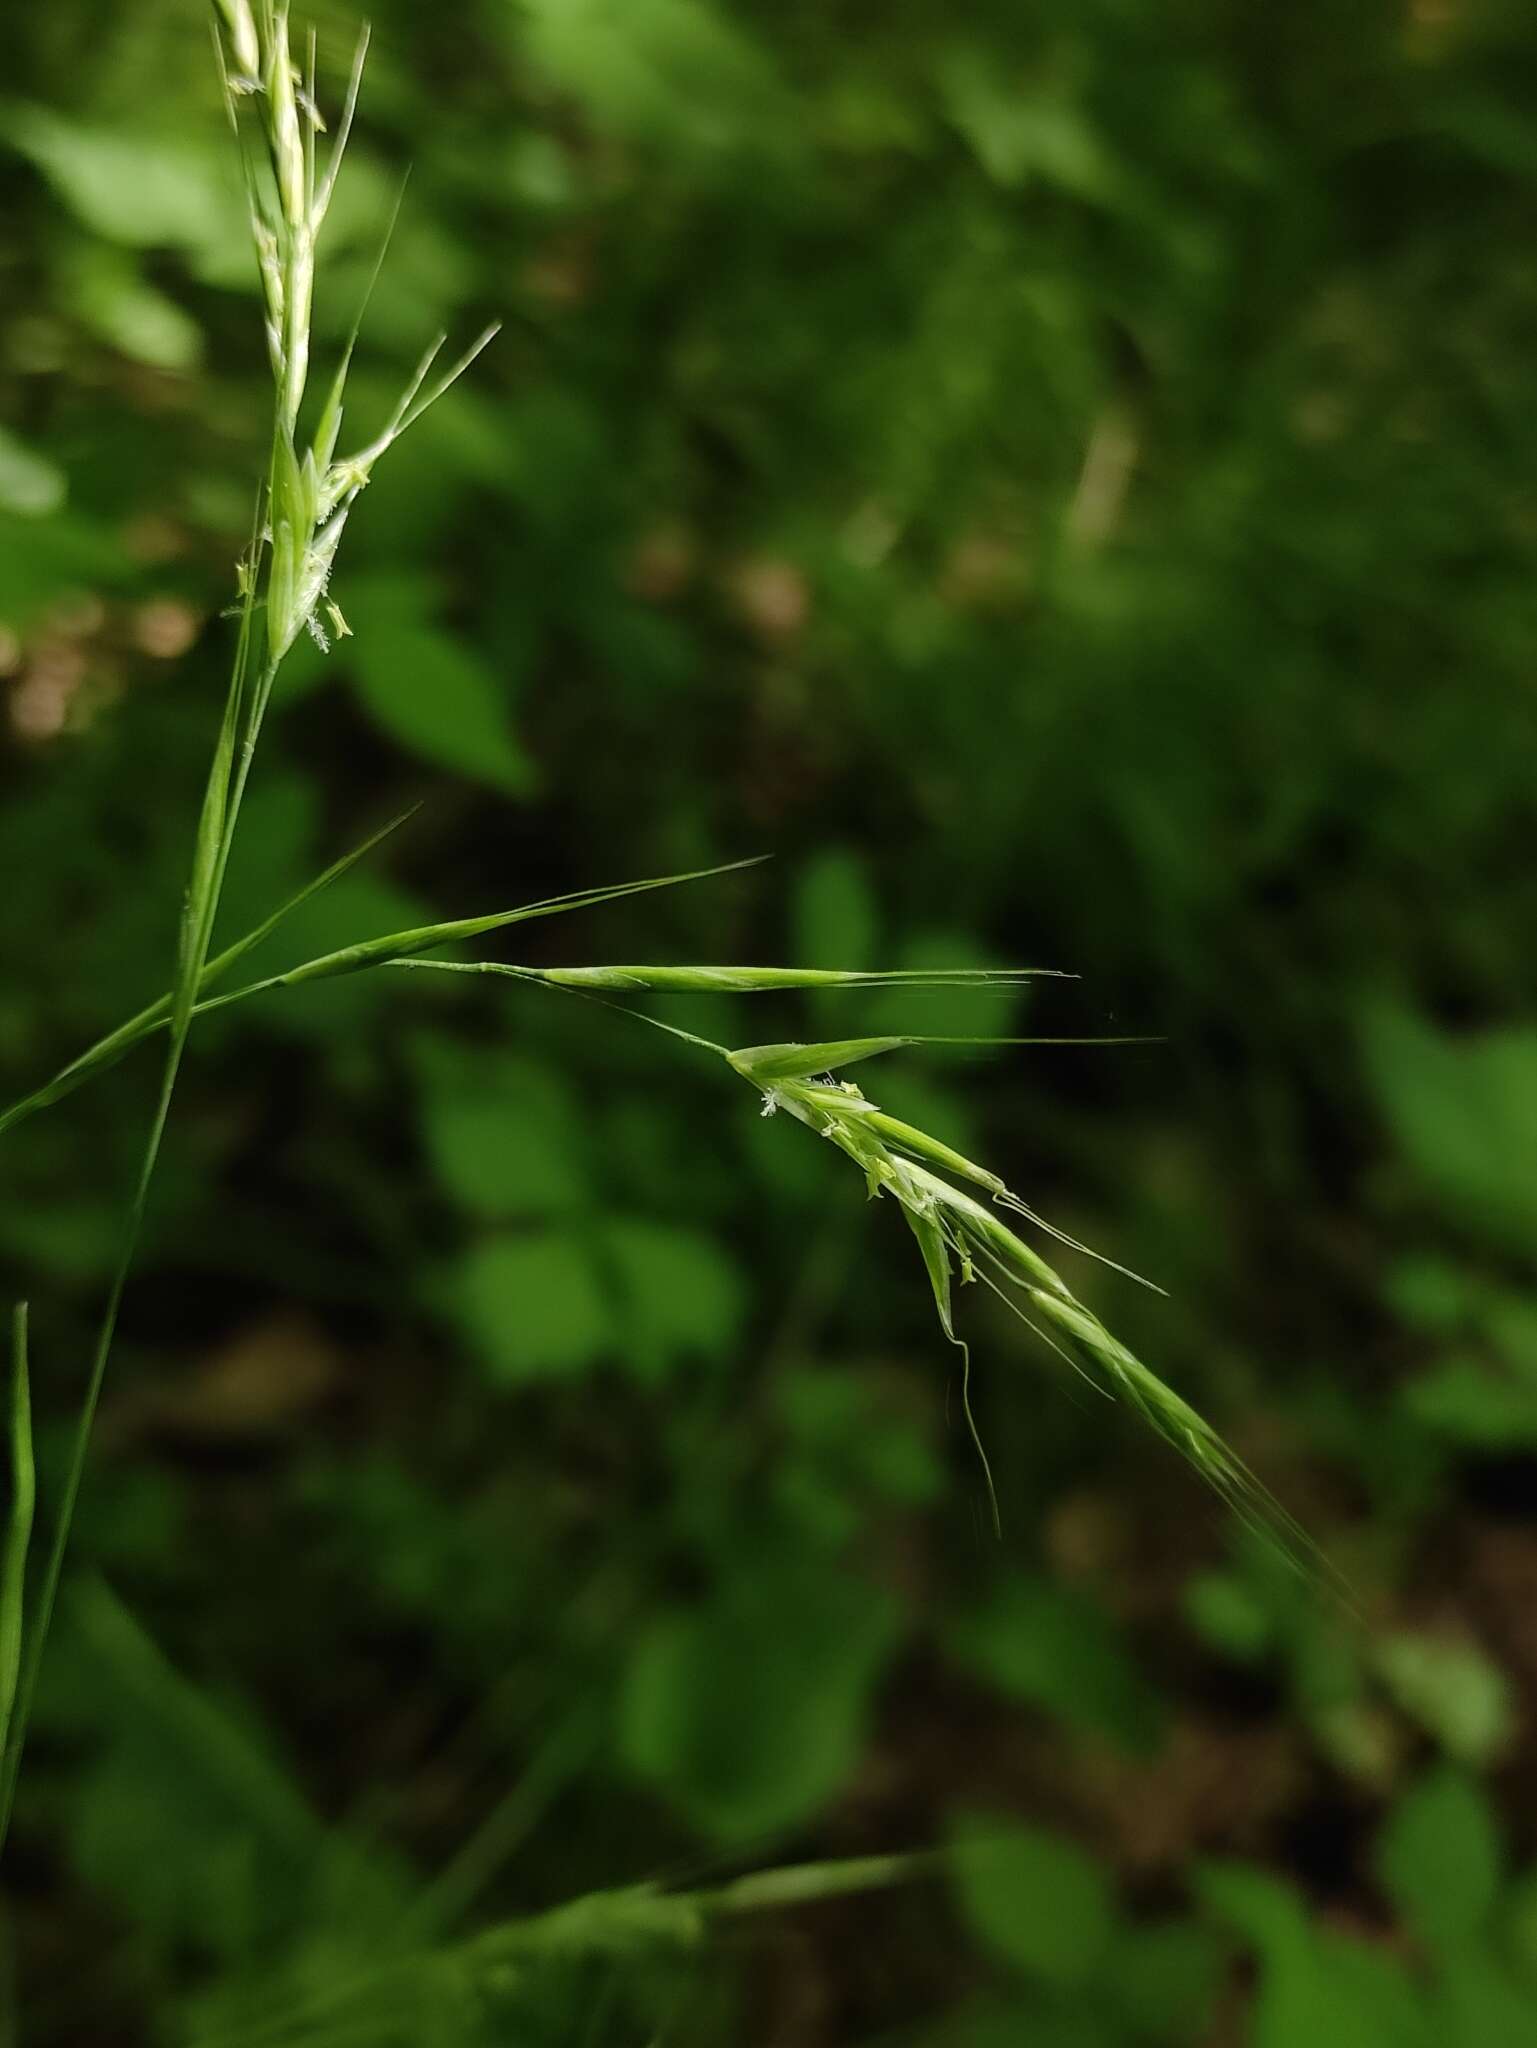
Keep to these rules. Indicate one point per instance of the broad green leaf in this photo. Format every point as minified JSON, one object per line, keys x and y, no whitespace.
{"x":1266,"y":1910}
{"x":438,"y":700}
{"x":749,"y":1711}
{"x":1227,"y":1613}
{"x":1478,"y":2004}
{"x":1509,"y":1321}
{"x":141,"y":188}
{"x":847,"y":1442}
{"x":1439,"y":1858}
{"x":1519,"y":1924}
{"x":679,"y":73}
{"x":1432,"y":1294}
{"x":1021,"y":133}
{"x":1326,"y":1992}
{"x":1059,"y":1650}
{"x":834,"y":917}
{"x":105,"y":288}
{"x":679,"y":1295}
{"x":30,"y":484}
{"x":1464,"y":1113}
{"x":45,"y":559}
{"x":1373,"y":1997}
{"x":1036,"y":1899}
{"x":1453,"y":1690}
{"x":503,"y":1131}
{"x":1163,"y":1980}
{"x":1028,"y":2019}
{"x":534,"y":1303}
{"x":1473,"y":1403}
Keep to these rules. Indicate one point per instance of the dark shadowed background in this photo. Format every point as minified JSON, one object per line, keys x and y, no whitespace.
{"x":1062,"y":479}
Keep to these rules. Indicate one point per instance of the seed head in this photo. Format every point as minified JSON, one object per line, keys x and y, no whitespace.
{"x":286,"y":136}
{"x":244,"y":47}
{"x":287,"y":197}
{"x":957,"y":1232}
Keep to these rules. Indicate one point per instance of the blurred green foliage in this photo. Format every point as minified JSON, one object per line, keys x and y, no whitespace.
{"x":1062,"y":479}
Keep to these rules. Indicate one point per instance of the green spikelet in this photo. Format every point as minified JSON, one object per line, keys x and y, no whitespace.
{"x":953,"y":1227}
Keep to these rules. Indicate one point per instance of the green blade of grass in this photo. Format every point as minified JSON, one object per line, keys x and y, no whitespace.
{"x":212,"y":819}
{"x":328,"y":426}
{"x":217,"y":1752}
{"x":249,"y":941}
{"x":626,"y":1923}
{"x":18,"y":1527}
{"x":322,"y":199}
{"x":398,"y":949}
{"x":393,"y":949}
{"x":216,"y":816}
{"x":10,"y":1763}
{"x":643,"y":1916}
{"x":106,"y":1052}
{"x":290,"y":558}
{"x":221,"y":802}
{"x":426,"y":938}
{"x":800,"y":1884}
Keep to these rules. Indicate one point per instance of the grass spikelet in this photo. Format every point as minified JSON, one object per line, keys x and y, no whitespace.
{"x":240,"y":28}
{"x":795,"y":1062}
{"x":310,"y":490}
{"x":899,"y":1160}
{"x":758,"y":980}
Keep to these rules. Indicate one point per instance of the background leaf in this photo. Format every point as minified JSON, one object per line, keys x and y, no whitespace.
{"x":1037,"y":1900}
{"x":1440,"y":1859}
{"x":749,"y":1709}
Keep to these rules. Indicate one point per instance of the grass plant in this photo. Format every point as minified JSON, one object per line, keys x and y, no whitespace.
{"x":283,"y":579}
{"x":956,"y":1209}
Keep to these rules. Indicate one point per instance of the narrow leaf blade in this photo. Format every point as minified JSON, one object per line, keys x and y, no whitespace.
{"x":106,"y":1052}
{"x":394,"y":946}
{"x":18,"y":1532}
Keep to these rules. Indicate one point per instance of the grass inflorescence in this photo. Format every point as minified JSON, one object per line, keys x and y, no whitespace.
{"x":964,"y":1240}
{"x":957,"y":1210}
